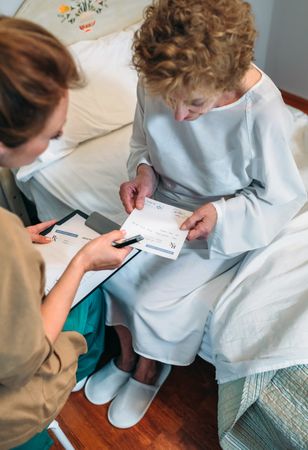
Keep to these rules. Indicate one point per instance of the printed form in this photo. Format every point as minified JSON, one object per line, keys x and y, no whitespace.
{"x":67,"y":239}
{"x":159,"y":224}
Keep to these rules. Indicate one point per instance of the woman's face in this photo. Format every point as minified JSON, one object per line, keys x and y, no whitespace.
{"x":26,"y":153}
{"x":192,"y":107}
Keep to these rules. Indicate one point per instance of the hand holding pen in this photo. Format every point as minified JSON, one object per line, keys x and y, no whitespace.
{"x":126,"y":242}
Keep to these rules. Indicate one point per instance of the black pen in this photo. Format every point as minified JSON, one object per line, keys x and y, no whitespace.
{"x":128,"y":241}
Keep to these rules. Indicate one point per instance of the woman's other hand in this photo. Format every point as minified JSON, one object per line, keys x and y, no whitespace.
{"x":133,"y":193}
{"x":201,"y":223}
{"x":99,"y":254}
{"x":35,"y":230}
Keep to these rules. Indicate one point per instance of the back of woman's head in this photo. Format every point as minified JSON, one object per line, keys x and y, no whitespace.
{"x":35,"y":72}
{"x":193,"y":44}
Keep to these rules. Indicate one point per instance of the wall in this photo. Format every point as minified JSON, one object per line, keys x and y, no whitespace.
{"x":262,"y":10}
{"x":287,"y":55}
{"x":9,"y":7}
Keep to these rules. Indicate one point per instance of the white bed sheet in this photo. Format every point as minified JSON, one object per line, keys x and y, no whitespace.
{"x":89,"y":178}
{"x":260,"y":320}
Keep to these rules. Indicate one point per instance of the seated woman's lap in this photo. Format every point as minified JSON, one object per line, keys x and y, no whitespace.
{"x":165,"y":303}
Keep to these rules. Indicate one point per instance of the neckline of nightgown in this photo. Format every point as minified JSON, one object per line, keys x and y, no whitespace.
{"x":242,"y":98}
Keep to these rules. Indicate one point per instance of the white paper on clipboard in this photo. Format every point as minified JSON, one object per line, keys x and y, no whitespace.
{"x":67,"y":239}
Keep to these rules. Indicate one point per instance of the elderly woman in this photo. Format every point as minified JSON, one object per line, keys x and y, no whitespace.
{"x":38,"y":362}
{"x":211,"y":135}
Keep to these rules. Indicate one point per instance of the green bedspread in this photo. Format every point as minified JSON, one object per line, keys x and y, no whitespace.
{"x":265,"y":411}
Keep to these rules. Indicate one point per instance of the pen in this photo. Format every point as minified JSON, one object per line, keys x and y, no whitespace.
{"x":128,"y":241}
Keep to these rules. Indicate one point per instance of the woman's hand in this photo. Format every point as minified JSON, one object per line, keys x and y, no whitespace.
{"x":99,"y":254}
{"x":133,"y":193}
{"x":35,"y":230}
{"x":201,"y":223}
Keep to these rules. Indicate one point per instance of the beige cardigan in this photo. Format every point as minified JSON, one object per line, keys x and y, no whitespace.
{"x":36,"y":377}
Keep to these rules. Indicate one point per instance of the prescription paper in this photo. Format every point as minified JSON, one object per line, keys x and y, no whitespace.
{"x":159,"y":224}
{"x":67,"y":240}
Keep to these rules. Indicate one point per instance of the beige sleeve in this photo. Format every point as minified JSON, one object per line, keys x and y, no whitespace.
{"x":24,"y":345}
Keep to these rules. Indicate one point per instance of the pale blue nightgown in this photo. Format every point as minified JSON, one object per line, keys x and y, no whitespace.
{"x":236,"y":156}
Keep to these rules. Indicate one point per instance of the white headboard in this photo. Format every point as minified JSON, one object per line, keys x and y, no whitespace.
{"x":68,"y":20}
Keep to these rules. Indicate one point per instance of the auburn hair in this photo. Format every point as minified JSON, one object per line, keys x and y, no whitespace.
{"x":193,"y":44}
{"x":35,"y":71}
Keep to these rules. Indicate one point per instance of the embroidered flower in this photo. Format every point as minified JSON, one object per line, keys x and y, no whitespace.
{"x":64,"y":9}
{"x":78,"y":8}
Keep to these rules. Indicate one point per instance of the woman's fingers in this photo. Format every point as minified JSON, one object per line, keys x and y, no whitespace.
{"x":201,"y":223}
{"x":201,"y":230}
{"x":99,"y":254}
{"x":133,"y":194}
{"x":127,"y":195}
{"x":44,"y":225}
{"x":192,"y":221}
{"x":39,"y":239}
{"x":35,"y":230}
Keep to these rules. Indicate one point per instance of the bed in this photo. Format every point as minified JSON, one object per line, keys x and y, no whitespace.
{"x":83,"y":170}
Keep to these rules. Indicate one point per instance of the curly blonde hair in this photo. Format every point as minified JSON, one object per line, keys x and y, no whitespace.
{"x":193,"y":44}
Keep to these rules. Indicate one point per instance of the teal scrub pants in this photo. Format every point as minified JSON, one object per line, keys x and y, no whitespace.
{"x":88,"y":318}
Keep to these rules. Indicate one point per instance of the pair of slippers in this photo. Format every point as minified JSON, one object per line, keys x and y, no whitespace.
{"x":132,"y":399}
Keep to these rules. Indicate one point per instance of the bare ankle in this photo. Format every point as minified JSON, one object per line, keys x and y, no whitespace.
{"x":147,"y":374}
{"x":127,"y":364}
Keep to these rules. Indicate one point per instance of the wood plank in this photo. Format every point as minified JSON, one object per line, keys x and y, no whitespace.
{"x":295,"y":101}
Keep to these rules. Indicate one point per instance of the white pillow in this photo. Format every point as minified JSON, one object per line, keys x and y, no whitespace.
{"x":106,"y":102}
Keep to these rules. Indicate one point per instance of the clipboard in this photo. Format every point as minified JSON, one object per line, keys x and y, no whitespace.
{"x":91,"y":280}
{"x":65,"y":219}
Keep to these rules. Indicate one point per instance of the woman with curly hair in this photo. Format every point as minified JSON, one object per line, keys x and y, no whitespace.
{"x":211,"y":135}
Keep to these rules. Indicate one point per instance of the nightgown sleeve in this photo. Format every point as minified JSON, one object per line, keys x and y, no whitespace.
{"x":257,"y":213}
{"x":138,"y":144}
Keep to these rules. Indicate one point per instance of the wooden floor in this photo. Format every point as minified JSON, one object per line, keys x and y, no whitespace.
{"x":182,"y":417}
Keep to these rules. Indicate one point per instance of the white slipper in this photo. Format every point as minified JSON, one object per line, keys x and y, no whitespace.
{"x":79,"y":385}
{"x":104,"y":385}
{"x":134,"y":399}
